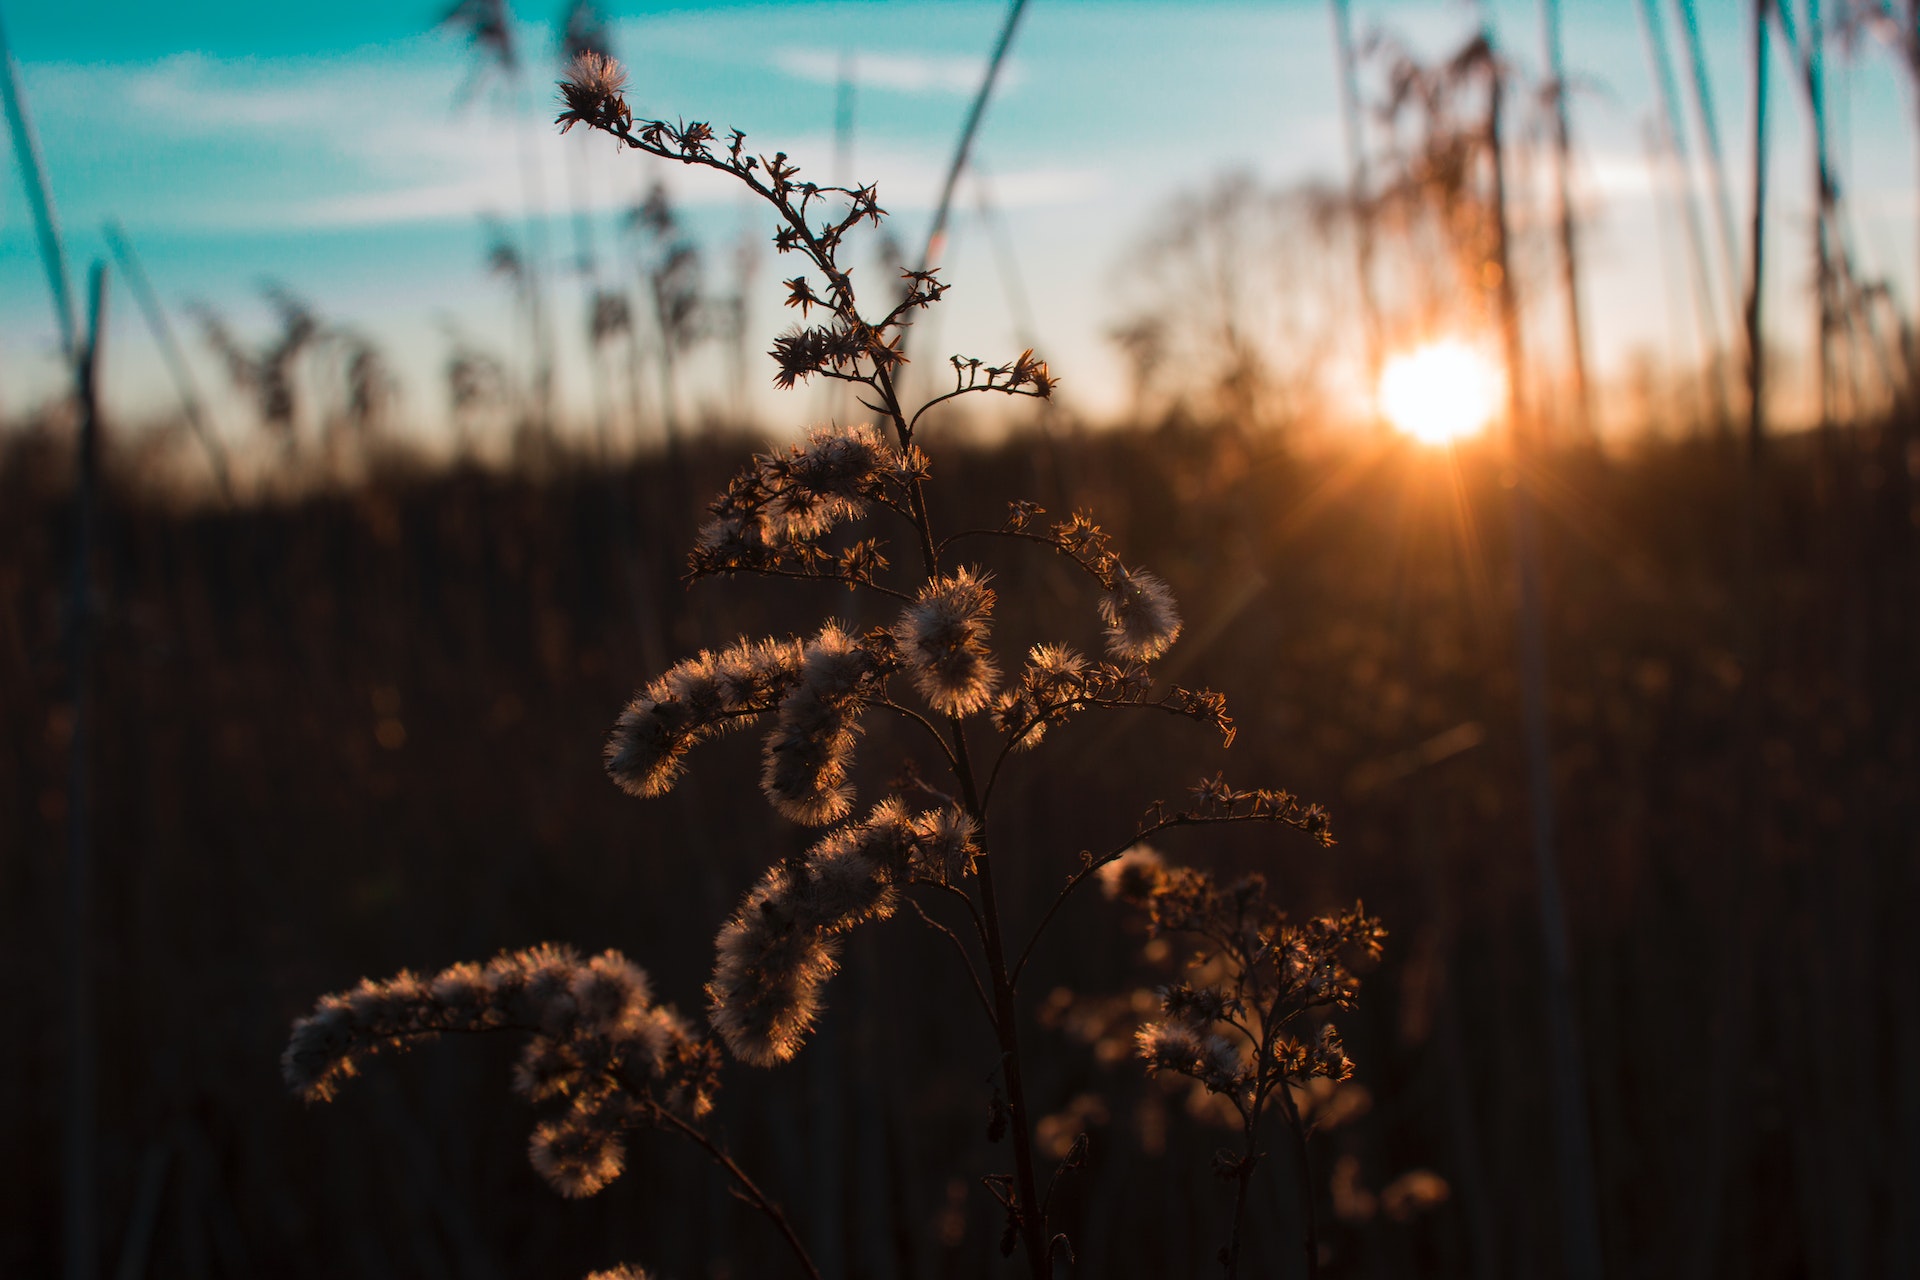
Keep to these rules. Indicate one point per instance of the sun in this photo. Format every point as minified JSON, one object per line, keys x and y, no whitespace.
{"x":1441,"y":392}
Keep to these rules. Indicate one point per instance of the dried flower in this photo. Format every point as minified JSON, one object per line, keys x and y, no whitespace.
{"x":944,"y":845}
{"x":811,"y":747}
{"x":1135,"y":876}
{"x":943,"y":642}
{"x":1141,"y":619}
{"x":576,"y":1158}
{"x":779,"y":949}
{"x":765,"y":992}
{"x":597,"y":1043}
{"x":594,"y":92}
{"x":695,"y":700}
{"x":1254,"y":978}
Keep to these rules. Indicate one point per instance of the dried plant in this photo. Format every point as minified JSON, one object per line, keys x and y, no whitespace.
{"x":1241,"y":1024}
{"x":328,"y":376}
{"x":269,"y":375}
{"x":606,"y":1057}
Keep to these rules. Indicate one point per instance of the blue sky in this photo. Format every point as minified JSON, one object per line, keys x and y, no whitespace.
{"x":321,"y":147}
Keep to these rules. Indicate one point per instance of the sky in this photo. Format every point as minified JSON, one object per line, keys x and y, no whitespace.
{"x":343,"y":152}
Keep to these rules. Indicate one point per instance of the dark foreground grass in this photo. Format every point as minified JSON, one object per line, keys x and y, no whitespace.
{"x":360,"y":731}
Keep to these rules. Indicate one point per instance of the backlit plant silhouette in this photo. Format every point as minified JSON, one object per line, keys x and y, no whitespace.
{"x":601,"y":1055}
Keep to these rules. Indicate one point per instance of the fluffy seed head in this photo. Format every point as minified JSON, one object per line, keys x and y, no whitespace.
{"x":946,"y":844}
{"x":765,"y":992}
{"x":823,"y":482}
{"x":844,"y":884}
{"x":594,"y":93}
{"x":810,"y":749}
{"x":576,"y":1155}
{"x":943,"y":641}
{"x":1169,"y":1046}
{"x":693,"y":701}
{"x":1134,"y":876}
{"x":1140,"y":616}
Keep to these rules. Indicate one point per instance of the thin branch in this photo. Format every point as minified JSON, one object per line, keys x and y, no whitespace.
{"x":1022,"y":534}
{"x":966,"y":961}
{"x":1091,"y":868}
{"x":1310,"y":1244}
{"x":1073,"y":882}
{"x":979,"y":925}
{"x":745,"y":1185}
{"x":843,"y":579}
{"x":924,"y":723}
{"x":975,"y":386}
{"x":1078,"y":703}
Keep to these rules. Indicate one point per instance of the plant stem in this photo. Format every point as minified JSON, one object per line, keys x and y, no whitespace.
{"x":1006,"y":1025}
{"x":1303,"y":1170}
{"x":745,"y":1186}
{"x":1249,"y":1158}
{"x":1033,"y":1227}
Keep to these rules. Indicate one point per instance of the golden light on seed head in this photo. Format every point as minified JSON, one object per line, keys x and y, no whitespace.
{"x":1440,"y":392}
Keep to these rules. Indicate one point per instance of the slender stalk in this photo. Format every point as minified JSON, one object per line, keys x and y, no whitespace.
{"x":1757,"y":239}
{"x":82,"y":1209}
{"x":82,"y":1226}
{"x":1674,"y":133}
{"x":1357,"y":186}
{"x":1006,"y":1026}
{"x":1569,"y":254}
{"x":176,"y":361}
{"x":33,"y":176}
{"x":938,"y":231}
{"x":1580,"y":1231}
{"x":1243,"y":1176}
{"x":1033,"y":1225}
{"x":745,"y":1187}
{"x":536,"y":220}
{"x":1303,"y":1170}
{"x":1728,"y":238}
{"x":1733,"y":1030}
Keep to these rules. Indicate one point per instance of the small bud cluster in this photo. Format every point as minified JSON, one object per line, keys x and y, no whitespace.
{"x":1057,"y":682}
{"x":838,"y":349}
{"x":774,"y":513}
{"x":1255,"y":976}
{"x":1025,"y":376}
{"x":1189,"y":1046}
{"x":1216,"y":800}
{"x":943,"y":643}
{"x":780,"y":948}
{"x":599,"y":1047}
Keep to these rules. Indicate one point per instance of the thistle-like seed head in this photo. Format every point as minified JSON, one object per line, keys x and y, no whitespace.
{"x":595,"y":93}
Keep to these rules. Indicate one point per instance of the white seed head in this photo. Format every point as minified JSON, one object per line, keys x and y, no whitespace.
{"x":577,"y":1155}
{"x":1134,"y":875}
{"x":1142,"y":621}
{"x":943,"y":640}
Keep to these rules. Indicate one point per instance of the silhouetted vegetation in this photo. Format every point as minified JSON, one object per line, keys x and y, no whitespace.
{"x":358,"y":731}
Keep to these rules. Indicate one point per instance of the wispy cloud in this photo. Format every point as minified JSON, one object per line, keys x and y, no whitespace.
{"x":344,"y":144}
{"x":893,"y":72}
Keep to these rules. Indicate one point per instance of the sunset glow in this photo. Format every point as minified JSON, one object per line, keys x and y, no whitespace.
{"x":1441,"y":392}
